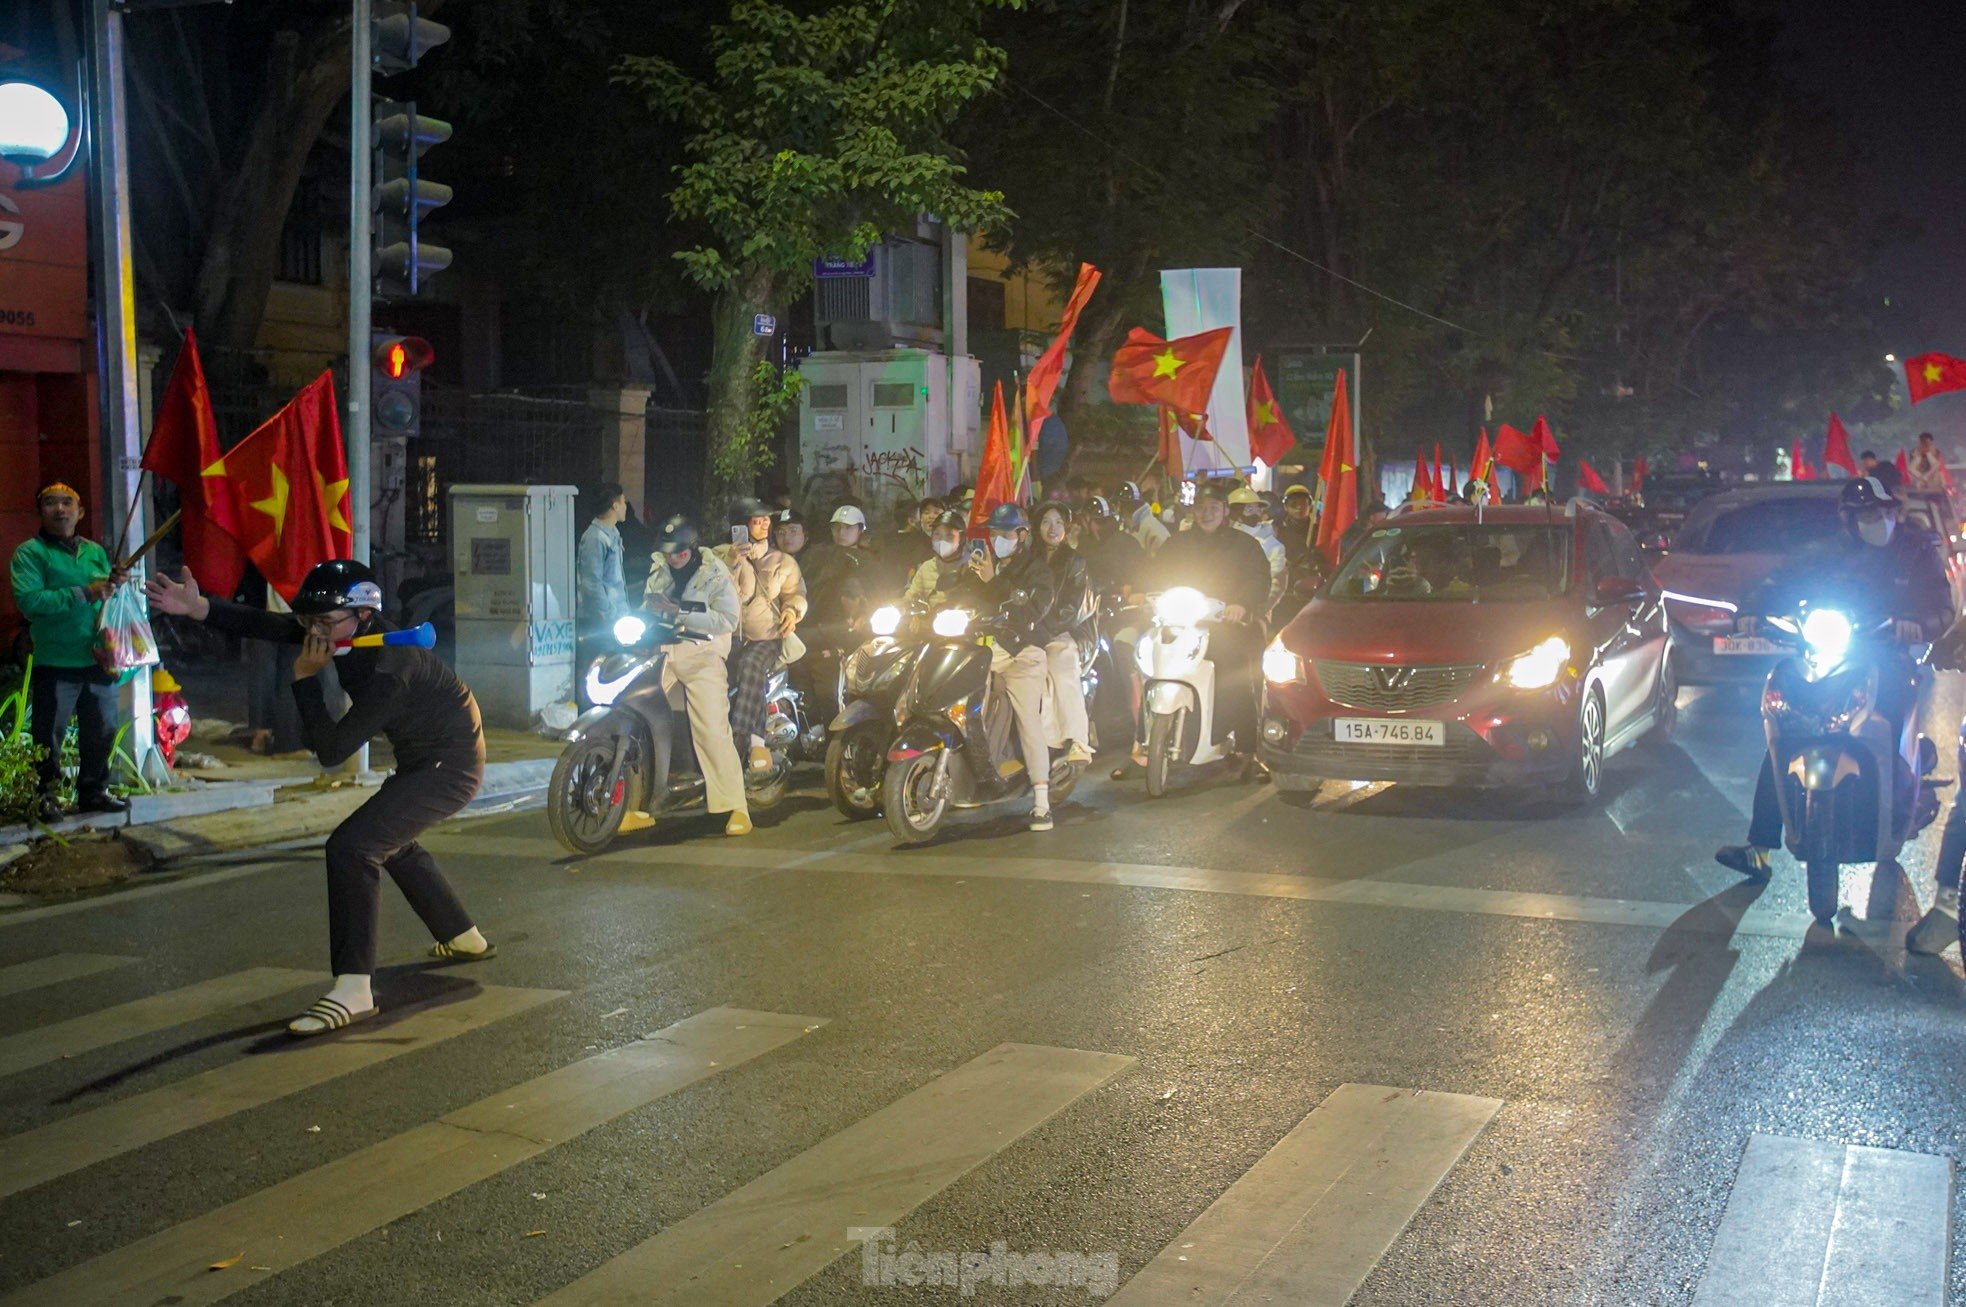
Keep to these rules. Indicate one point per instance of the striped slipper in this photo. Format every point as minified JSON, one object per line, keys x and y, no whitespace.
{"x":446,"y":953}
{"x":326,"y":1015}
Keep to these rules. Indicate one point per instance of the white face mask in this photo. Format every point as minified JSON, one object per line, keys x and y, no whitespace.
{"x":1003,"y":546}
{"x":1876,"y":534}
{"x":946,"y":548}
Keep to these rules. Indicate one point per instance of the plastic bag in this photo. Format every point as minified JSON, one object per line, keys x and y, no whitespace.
{"x":124,"y":640}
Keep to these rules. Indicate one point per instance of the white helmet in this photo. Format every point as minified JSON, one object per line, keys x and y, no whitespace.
{"x":850,"y":515}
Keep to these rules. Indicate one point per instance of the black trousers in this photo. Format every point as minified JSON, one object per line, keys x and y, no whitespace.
{"x":87,"y":694}
{"x":381,"y":836}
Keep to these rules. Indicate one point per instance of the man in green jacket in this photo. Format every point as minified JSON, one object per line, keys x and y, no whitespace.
{"x":60,"y":581}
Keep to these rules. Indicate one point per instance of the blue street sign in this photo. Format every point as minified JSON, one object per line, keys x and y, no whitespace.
{"x":764,"y":325}
{"x":831,"y":267}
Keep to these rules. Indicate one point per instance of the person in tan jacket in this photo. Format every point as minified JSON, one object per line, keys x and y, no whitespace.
{"x":771,"y":594}
{"x":691,"y":586}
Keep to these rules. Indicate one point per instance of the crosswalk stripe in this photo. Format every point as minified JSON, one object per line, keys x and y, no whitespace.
{"x":1820,"y":1224}
{"x":57,"y":967}
{"x":319,"y":1210}
{"x":1308,"y":1222}
{"x":68,"y":1145}
{"x":144,"y":1016}
{"x":754,"y":1245}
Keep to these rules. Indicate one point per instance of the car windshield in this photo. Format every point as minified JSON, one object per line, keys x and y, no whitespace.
{"x":1759,"y":526}
{"x":1464,"y":563}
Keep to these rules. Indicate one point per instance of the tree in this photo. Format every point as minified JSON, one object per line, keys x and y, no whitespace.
{"x":811,"y":134}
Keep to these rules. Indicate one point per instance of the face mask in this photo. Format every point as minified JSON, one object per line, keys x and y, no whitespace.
{"x":1003,"y":546}
{"x":1875,"y":534}
{"x":947,"y":548}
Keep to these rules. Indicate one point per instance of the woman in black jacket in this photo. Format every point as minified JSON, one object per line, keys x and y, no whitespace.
{"x":1069,"y":628}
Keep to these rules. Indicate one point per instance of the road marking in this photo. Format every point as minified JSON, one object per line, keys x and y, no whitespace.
{"x":789,"y":1224}
{"x":32,"y":1048}
{"x":319,"y":1210}
{"x":1647,"y":914}
{"x":57,"y":967}
{"x":1832,"y":1225}
{"x":274,"y":858}
{"x":286,"y":1067}
{"x":1308,"y":1222}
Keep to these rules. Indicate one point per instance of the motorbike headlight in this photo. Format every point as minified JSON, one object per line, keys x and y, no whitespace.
{"x":951,"y":622}
{"x":1827,"y":633}
{"x":608,"y":677}
{"x":885,"y":621}
{"x":1280,"y":666}
{"x":1181,"y":606}
{"x":1539,"y":668}
{"x":629,"y":629}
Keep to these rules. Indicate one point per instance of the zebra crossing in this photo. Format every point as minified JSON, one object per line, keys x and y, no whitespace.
{"x":1307,"y":1223}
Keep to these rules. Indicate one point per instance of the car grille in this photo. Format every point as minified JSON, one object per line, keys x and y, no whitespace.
{"x":1388,"y":687}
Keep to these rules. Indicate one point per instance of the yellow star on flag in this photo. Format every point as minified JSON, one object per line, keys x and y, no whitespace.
{"x":333,"y":495}
{"x":215,"y":470}
{"x":1167,"y":363}
{"x":275,"y":504}
{"x":1266,"y":413}
{"x":1933,"y":372}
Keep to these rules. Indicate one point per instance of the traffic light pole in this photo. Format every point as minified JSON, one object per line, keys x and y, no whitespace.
{"x":356,"y":429}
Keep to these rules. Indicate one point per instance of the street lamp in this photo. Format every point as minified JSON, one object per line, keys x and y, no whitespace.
{"x":33,"y":127}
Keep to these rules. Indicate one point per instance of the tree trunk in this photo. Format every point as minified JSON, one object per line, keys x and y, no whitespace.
{"x":730,"y":466}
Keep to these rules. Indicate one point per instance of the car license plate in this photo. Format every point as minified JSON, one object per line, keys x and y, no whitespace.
{"x":1746,"y":644}
{"x":1380,"y":730}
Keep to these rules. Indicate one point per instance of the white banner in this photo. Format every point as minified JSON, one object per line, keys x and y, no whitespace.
{"x":1201,"y":299}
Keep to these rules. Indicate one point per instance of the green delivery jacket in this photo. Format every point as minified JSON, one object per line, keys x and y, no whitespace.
{"x":48,"y":588}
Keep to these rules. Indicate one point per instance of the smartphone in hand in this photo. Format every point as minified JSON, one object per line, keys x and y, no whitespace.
{"x":741,"y":534}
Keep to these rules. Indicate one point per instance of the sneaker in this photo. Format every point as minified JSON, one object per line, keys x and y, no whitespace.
{"x":1748,"y":859}
{"x":102,"y":803}
{"x":1041,"y":819}
{"x":1076,"y":752}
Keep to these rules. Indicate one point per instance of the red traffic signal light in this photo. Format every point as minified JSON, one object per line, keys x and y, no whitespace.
{"x":397,"y":357}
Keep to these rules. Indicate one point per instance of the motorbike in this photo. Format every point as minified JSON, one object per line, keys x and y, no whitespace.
{"x":1178,"y":685}
{"x":940,"y":757}
{"x":871,"y":678}
{"x":1854,"y":785}
{"x":614,"y":776}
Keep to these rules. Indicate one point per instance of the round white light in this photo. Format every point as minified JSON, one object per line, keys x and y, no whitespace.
{"x":1540,"y":667}
{"x":1827,"y":633}
{"x":629,"y":629}
{"x":1280,"y":666}
{"x":1181,"y":606}
{"x":885,"y":621}
{"x":951,"y":622}
{"x":33,"y":125}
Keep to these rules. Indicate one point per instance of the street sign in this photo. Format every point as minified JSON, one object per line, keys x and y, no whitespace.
{"x":832,"y":267}
{"x":764,"y":325}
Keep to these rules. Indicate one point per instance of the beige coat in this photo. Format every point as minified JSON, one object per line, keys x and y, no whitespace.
{"x":766,"y":586}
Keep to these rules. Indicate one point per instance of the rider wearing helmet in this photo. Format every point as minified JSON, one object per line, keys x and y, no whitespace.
{"x":771,"y":597}
{"x":1020,"y":588}
{"x":945,"y":568}
{"x":1896,"y":567}
{"x":692,"y":587}
{"x":1071,"y":628}
{"x":414,"y":700}
{"x":1251,"y":514}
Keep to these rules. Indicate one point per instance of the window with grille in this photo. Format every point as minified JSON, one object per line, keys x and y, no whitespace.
{"x":301,"y":258}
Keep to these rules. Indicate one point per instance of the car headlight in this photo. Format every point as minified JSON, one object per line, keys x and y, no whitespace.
{"x":1827,"y":633}
{"x":629,"y":629}
{"x":1181,"y":606}
{"x":951,"y":622}
{"x":1280,"y":666}
{"x":608,"y":677}
{"x":885,"y":621}
{"x":1539,"y":668}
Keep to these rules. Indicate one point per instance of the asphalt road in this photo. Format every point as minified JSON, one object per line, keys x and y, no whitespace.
{"x":1391,"y":1047}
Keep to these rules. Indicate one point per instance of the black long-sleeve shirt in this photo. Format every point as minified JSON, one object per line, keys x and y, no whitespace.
{"x":407,"y":695}
{"x":1224,"y":564}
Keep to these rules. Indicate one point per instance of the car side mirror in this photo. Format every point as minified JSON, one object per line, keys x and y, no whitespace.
{"x":1615,"y":590}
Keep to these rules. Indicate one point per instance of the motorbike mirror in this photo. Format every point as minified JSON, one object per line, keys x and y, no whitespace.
{"x":1613,"y":590}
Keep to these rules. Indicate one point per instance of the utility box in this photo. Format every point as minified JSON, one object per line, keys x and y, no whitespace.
{"x":881,"y":426}
{"x":512,"y":557}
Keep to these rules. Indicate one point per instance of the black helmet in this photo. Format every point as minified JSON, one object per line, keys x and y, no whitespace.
{"x":1009,"y":517}
{"x":677,"y":533}
{"x":1130,"y":492}
{"x":337,"y":583}
{"x":951,"y":520}
{"x":1098,"y":507}
{"x":1864,"y":493}
{"x":789,"y":517}
{"x":745,"y":509}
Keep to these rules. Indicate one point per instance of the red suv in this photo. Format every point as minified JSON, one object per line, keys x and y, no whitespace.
{"x":1491,"y":647}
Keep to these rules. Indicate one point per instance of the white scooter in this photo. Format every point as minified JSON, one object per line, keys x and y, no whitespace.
{"x":1178,"y":684}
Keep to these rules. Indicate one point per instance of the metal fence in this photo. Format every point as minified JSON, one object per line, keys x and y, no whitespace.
{"x":495,"y":439}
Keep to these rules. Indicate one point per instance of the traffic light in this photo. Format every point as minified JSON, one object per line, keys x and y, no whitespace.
{"x":396,"y":389}
{"x":401,"y":198}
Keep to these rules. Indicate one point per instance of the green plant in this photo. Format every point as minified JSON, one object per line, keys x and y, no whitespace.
{"x":130,"y":776}
{"x":19,"y":783}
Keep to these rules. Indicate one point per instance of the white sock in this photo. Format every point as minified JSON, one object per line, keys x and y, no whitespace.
{"x":352,"y":992}
{"x":471,"y":942}
{"x":1041,"y":797}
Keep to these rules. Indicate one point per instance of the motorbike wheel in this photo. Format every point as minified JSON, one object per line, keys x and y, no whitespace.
{"x":1824,"y":872}
{"x":913,"y":815}
{"x":846,"y":757}
{"x":1064,"y":779}
{"x":583,"y":818}
{"x":1163,"y":738}
{"x":771,"y":793}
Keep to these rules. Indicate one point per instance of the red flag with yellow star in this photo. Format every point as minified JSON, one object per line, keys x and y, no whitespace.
{"x":1178,"y":373}
{"x":183,"y":448}
{"x":995,"y":485}
{"x":1934,"y":374}
{"x":1270,"y":436}
{"x":287,"y":484}
{"x":1338,"y":508}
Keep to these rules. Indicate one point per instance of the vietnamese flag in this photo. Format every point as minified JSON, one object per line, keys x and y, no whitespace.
{"x":1591,"y":482}
{"x":1836,"y":449}
{"x":1270,"y":436}
{"x":1423,"y":481}
{"x":993,"y":478}
{"x":184,"y":450}
{"x":1934,"y":374}
{"x":287,"y":489}
{"x":1638,"y":474}
{"x":1904,"y":469}
{"x":1177,"y":373}
{"x":1042,"y":383}
{"x":1168,"y":454}
{"x":1338,"y":507}
{"x":1439,"y":485}
{"x":1799,"y":469}
{"x":1482,"y":467}
{"x":1540,"y":433}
